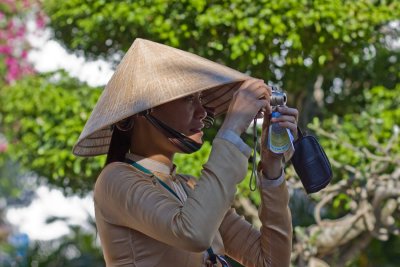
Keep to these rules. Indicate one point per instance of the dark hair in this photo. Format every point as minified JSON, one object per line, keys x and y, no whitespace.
{"x":119,"y":145}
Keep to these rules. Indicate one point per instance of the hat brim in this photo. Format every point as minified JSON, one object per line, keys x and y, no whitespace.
{"x":216,"y":99}
{"x":151,"y":74}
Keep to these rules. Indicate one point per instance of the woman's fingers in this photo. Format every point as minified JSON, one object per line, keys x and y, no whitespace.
{"x":252,"y":97}
{"x":254,"y":93}
{"x":256,"y":87}
{"x":284,"y":118}
{"x":287,"y":119}
{"x":284,"y":110}
{"x":289,"y":125}
{"x":251,"y":84}
{"x":262,"y":92}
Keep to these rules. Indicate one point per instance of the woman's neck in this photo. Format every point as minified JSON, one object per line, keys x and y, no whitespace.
{"x":147,"y":141}
{"x":157,"y":157}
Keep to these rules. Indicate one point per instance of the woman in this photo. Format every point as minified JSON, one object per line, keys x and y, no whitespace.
{"x":155,"y":106}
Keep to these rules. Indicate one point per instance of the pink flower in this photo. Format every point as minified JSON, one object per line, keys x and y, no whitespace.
{"x":27,"y":70}
{"x":14,"y":71}
{"x":13,"y":44}
{"x":3,"y":147}
{"x":26,"y":3}
{"x":10,"y":25}
{"x":10,"y":77}
{"x":11,"y":62}
{"x":20,"y":32}
{"x":3,"y":35}
{"x":40,"y":20}
{"x":4,"y":49}
{"x":24,"y":54}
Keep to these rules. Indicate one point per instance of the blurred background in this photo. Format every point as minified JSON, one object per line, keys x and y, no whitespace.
{"x":337,"y":60}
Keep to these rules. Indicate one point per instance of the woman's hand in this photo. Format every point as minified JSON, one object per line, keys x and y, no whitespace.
{"x":271,"y":163}
{"x":252,"y":97}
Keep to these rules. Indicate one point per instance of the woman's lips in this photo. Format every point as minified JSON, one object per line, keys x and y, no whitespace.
{"x":197,"y":129}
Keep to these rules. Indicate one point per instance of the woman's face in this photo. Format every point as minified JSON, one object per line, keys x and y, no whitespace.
{"x":184,"y":115}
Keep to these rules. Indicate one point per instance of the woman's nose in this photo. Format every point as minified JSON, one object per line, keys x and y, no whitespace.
{"x":200,"y":112}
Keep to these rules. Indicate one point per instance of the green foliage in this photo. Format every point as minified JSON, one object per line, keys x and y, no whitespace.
{"x":377,"y":123}
{"x":373,"y":256}
{"x":288,"y":40}
{"x":244,"y":188}
{"x":192,"y":164}
{"x":42,"y":117}
{"x":360,"y":135}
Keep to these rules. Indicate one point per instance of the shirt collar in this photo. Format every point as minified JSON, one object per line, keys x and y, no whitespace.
{"x":151,"y":164}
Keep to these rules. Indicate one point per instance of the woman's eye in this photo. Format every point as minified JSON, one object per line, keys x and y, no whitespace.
{"x":190,"y":98}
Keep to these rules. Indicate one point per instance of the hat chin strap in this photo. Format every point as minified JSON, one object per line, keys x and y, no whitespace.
{"x":184,"y":143}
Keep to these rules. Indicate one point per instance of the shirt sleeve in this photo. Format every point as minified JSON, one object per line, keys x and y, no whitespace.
{"x":128,"y":198}
{"x":265,"y":183}
{"x":271,"y":245}
{"x":235,"y":139}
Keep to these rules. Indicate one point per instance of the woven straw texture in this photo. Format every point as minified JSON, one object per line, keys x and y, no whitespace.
{"x":151,"y":74}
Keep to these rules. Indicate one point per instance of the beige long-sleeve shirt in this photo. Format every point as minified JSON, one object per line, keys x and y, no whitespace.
{"x":141,"y":223}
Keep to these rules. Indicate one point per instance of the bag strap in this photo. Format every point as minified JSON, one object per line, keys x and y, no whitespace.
{"x":300,"y":134}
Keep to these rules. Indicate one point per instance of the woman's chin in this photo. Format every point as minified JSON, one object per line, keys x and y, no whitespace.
{"x":197,"y":137}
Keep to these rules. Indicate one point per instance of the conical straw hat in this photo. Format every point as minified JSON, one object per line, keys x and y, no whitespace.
{"x":151,"y":74}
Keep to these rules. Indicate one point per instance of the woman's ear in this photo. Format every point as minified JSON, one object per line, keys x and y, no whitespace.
{"x":125,"y":124}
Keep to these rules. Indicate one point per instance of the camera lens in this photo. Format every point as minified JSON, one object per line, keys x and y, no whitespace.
{"x":278,"y":97}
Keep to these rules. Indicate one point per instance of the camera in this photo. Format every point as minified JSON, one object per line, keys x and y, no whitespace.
{"x":278,"y":97}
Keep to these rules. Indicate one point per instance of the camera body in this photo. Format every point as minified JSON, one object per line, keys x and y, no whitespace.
{"x":278,"y":97}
